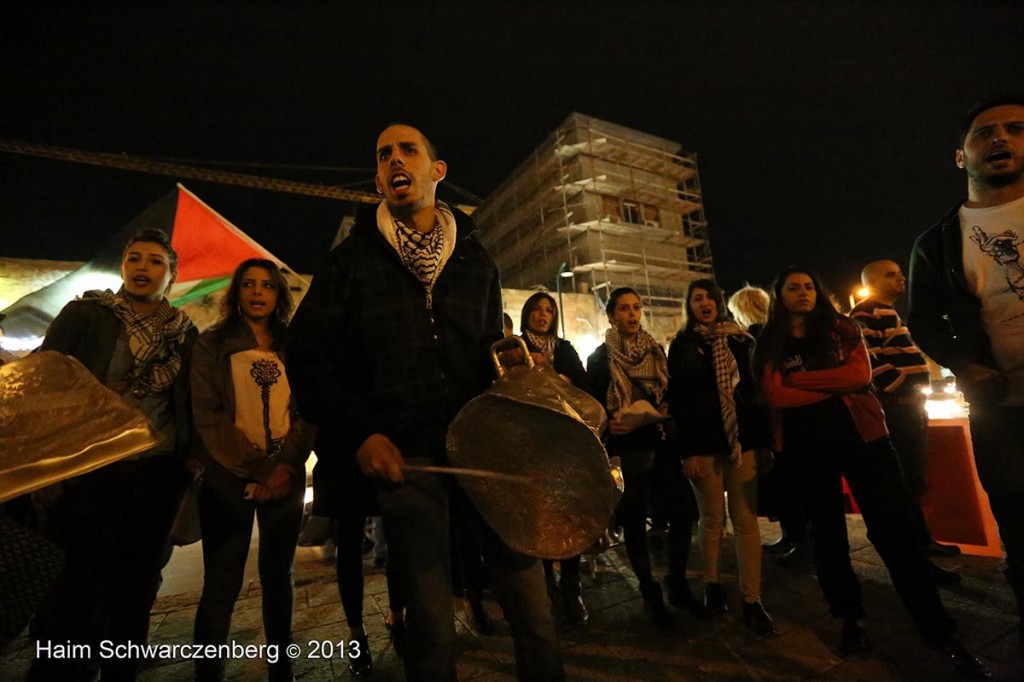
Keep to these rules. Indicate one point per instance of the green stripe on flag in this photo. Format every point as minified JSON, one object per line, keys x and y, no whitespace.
{"x":207,"y":286}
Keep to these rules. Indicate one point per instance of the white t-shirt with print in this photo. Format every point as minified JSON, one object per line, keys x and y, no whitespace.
{"x":251,"y":372}
{"x":993,"y":255}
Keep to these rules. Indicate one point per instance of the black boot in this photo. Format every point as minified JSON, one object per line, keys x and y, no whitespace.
{"x":576,"y":613}
{"x":680,"y":596}
{"x":965,"y":663}
{"x":555,"y":597}
{"x":395,"y":625}
{"x":757,"y":619}
{"x":359,"y":660}
{"x":853,"y":639}
{"x":654,"y":606}
{"x":480,"y":620}
{"x":714,"y":599}
{"x":280,"y":671}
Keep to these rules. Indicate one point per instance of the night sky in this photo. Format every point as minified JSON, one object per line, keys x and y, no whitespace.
{"x":825,"y":135}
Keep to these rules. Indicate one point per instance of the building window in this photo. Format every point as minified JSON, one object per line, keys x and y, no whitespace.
{"x":628,"y":211}
{"x":631,"y":213}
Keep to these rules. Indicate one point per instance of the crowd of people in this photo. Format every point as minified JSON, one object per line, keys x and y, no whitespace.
{"x":393,"y":339}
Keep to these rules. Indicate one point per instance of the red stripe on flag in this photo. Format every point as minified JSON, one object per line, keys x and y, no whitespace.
{"x":206,"y":246}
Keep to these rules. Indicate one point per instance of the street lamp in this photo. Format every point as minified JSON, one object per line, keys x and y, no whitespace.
{"x":563,"y":271}
{"x":859,"y":294}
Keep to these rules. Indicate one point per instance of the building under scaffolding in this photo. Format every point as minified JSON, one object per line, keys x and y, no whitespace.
{"x":610,"y":205}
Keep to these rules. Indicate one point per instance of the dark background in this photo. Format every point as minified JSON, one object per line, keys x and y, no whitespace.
{"x":825,"y":131}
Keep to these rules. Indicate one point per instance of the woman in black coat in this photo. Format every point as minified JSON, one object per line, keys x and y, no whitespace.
{"x":628,"y":368}
{"x":721,"y":429}
{"x":539,"y":327}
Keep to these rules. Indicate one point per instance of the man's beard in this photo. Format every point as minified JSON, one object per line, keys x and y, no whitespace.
{"x":997,"y":180}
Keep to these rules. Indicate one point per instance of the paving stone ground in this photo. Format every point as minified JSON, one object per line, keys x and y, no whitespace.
{"x":620,"y":644}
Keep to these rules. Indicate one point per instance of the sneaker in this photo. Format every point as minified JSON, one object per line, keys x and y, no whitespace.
{"x":944,"y":577}
{"x":800,"y":558}
{"x":757,"y":619}
{"x":780,"y":547}
{"x":942,"y":549}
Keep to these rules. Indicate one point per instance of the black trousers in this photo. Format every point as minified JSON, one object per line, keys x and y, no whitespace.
{"x":998,"y":435}
{"x":908,"y":430}
{"x":114,"y":524}
{"x":873,"y":473}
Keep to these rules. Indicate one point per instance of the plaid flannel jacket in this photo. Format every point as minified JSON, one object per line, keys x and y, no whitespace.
{"x":367,"y":355}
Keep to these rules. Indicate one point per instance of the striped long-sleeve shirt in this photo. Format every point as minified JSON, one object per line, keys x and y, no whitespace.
{"x":898,"y":367}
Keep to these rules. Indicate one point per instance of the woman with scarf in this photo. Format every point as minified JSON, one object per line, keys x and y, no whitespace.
{"x":254,"y":448}
{"x":115,"y":522}
{"x":627,"y":368}
{"x":816,"y":377}
{"x":712,"y":397}
{"x":539,"y":327}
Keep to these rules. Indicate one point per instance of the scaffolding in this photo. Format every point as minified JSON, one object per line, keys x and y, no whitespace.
{"x":613,"y":206}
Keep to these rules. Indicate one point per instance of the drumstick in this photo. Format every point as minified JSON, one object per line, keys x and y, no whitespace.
{"x":461,"y":471}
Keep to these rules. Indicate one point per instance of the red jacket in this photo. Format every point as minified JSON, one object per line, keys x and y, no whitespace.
{"x":850,"y":380}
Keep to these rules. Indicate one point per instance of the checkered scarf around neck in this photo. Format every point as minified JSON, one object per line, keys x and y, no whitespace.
{"x":727,"y":376}
{"x":154,"y":341}
{"x":642,"y":362}
{"x":545,"y":345}
{"x":423,"y":254}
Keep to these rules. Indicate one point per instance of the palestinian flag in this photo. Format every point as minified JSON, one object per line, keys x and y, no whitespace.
{"x":209,"y":249}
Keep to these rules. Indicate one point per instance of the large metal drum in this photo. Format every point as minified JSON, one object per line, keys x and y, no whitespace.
{"x":534,"y":425}
{"x":58,"y":421}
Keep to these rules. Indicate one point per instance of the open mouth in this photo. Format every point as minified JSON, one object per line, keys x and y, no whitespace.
{"x":141,"y":281}
{"x":998,"y":155}
{"x":400,"y":181}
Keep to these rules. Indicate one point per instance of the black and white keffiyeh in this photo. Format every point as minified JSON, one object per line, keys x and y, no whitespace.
{"x":727,"y":376}
{"x":545,"y":345}
{"x":423,"y":253}
{"x":420,"y":252}
{"x":641,"y":361}
{"x":154,"y":341}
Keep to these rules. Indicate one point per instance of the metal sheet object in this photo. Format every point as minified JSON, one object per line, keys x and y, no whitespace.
{"x":57,"y":421}
{"x":532,"y":423}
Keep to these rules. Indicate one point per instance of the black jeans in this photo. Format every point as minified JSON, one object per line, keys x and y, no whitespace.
{"x":226,"y":518}
{"x":416,"y":523}
{"x":998,"y":439}
{"x":634,"y":507}
{"x":873,"y":472}
{"x":114,"y":525}
{"x":908,"y":430}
